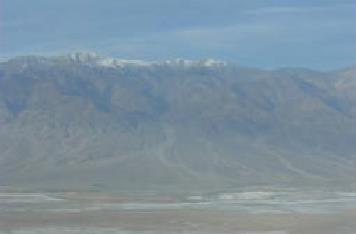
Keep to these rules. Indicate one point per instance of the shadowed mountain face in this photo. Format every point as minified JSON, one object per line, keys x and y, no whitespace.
{"x":82,"y":120}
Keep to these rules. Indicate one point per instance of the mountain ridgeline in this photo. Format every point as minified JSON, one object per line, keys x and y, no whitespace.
{"x":83,"y":121}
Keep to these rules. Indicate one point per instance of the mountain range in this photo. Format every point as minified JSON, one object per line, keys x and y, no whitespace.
{"x":85,"y":121}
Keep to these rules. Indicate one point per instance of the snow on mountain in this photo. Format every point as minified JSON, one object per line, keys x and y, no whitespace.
{"x":95,"y":59}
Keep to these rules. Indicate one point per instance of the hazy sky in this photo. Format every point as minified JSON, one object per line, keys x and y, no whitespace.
{"x":264,"y":33}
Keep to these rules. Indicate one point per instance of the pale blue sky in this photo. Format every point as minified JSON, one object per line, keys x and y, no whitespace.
{"x":319,"y":34}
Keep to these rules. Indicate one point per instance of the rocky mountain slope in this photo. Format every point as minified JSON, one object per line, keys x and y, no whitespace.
{"x":82,"y":120}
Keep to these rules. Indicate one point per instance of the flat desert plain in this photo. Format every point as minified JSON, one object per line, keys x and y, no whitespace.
{"x":252,"y":212}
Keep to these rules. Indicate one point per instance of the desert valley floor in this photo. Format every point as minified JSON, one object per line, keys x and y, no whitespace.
{"x":260,"y":211}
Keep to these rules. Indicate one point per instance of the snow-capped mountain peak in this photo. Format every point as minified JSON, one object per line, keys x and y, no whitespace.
{"x":95,"y":59}
{"x":195,"y":63}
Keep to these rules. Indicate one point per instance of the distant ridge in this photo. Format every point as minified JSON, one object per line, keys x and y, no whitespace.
{"x":91,"y":58}
{"x":81,"y":120}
